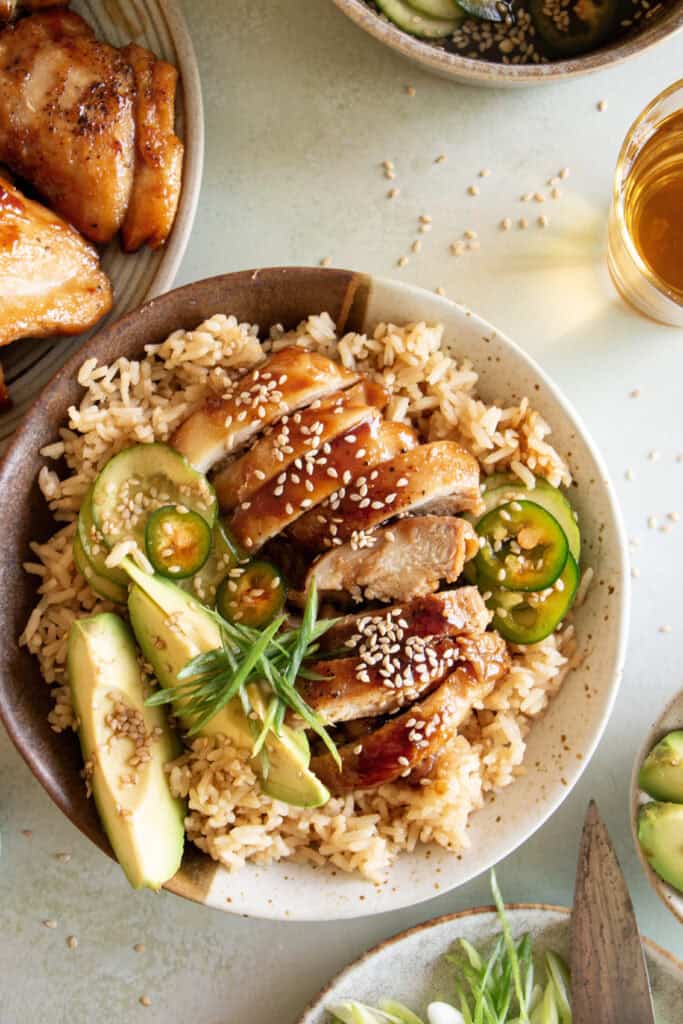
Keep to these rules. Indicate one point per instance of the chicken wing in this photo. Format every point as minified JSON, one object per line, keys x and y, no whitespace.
{"x":398,"y":562}
{"x":66,"y":119}
{"x":158,"y":152}
{"x":50,"y":278}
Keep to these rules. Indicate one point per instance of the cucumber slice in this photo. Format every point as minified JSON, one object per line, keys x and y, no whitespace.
{"x":93,"y":545}
{"x":141,"y":479}
{"x":447,"y":9}
{"x":523,"y":547}
{"x":503,"y":488}
{"x":100,"y":585}
{"x":407,"y":18}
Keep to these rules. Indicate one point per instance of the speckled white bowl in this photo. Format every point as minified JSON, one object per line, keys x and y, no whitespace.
{"x":560,"y":743}
{"x":671,"y":718}
{"x":410,"y":967}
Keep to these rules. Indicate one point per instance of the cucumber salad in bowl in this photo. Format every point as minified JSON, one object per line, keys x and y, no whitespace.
{"x":306,"y":596}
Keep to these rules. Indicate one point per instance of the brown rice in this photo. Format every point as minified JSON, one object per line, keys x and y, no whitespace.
{"x":129,"y":402}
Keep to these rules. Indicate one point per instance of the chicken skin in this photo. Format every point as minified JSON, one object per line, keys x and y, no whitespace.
{"x":50,"y":278}
{"x":158,"y":152}
{"x":67,"y":120}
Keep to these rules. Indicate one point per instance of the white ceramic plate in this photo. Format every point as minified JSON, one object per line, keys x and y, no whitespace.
{"x":560,"y":744}
{"x":671,"y":718}
{"x":410,"y":967}
{"x":159,"y":25}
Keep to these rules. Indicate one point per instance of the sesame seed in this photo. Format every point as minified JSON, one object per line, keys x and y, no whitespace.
{"x":440,"y":290}
{"x":539,"y":197}
{"x":526,"y":197}
{"x":50,"y":923}
{"x":145,"y":1001}
{"x":389,"y":174}
{"x":473,"y":190}
{"x":424,"y":228}
{"x":359,"y":748}
{"x":635,"y":393}
{"x":653,"y":522}
{"x":410,"y":90}
{"x":505,"y":224}
{"x":440,"y":158}
{"x":139,"y":947}
{"x":63,"y":858}
{"x":388,"y":165}
{"x":665,"y":629}
{"x":654,"y":455}
{"x":457,"y":248}
{"x":673,"y":516}
{"x":393,"y":193}
{"x":635,"y":573}
{"x":564,"y":173}
{"x":402,"y":261}
{"x":416,"y":246}
{"x":555,"y":193}
{"x":542,"y":221}
{"x":326,"y":261}
{"x":72,"y":942}
{"x":602,"y":106}
{"x":27,"y":833}
{"x":522,"y":223}
{"x":470,"y":234}
{"x":629,"y":474}
{"x":484,"y":172}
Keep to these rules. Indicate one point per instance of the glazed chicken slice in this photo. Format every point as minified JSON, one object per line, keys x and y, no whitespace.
{"x":394,"y":750}
{"x":291,"y":379}
{"x":66,"y":119}
{"x":392,"y":670}
{"x":291,"y":439}
{"x":50,"y":278}
{"x":448,"y":613}
{"x":405,"y":560}
{"x":440,"y":476}
{"x":309,"y":481}
{"x":158,"y":152}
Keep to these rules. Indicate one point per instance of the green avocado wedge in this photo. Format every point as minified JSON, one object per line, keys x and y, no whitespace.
{"x":171,"y":628}
{"x":660,"y":834}
{"x":661,"y":773}
{"x":143,"y":821}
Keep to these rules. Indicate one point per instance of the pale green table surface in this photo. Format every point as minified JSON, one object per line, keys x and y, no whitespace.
{"x":301,"y":108}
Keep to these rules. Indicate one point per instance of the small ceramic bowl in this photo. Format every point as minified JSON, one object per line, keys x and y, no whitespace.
{"x":489,"y":73}
{"x":578,"y":713}
{"x":671,"y":718}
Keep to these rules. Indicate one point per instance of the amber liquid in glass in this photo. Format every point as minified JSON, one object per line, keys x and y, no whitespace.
{"x":653,"y":202}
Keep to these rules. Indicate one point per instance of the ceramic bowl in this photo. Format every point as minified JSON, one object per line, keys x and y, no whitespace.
{"x":560,"y":744}
{"x":410,"y":967}
{"x":488,"y":73}
{"x":671,"y":718}
{"x":158,"y":25}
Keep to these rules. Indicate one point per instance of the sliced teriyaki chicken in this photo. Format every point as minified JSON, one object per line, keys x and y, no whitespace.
{"x":398,"y":562}
{"x":448,"y":613}
{"x":158,"y":152}
{"x":392,"y":751}
{"x":50,"y":277}
{"x":289,"y":380}
{"x":294,"y":438}
{"x":441,"y":476}
{"x":309,"y":481}
{"x":392,"y":670}
{"x":66,"y":119}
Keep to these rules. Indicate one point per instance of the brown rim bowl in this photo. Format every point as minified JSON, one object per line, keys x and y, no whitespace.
{"x":482,"y":72}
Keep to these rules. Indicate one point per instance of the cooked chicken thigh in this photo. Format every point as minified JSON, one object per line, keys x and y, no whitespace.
{"x":448,"y":613}
{"x":310,"y":480}
{"x":291,"y":379}
{"x":50,"y":278}
{"x":158,"y":152}
{"x":392,"y":751}
{"x":291,"y":439}
{"x":425,"y":478}
{"x":398,"y":562}
{"x":393,"y":669}
{"x":66,"y":119}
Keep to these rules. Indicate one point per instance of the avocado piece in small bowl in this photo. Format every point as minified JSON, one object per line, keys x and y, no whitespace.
{"x":661,"y":773}
{"x":660,"y":834}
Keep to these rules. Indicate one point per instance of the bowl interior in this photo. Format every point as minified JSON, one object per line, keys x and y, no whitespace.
{"x":488,"y":73}
{"x":559,"y":745}
{"x":671,"y":718}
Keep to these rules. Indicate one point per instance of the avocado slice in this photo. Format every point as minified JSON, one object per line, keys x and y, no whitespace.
{"x":144,"y":823}
{"x":660,"y":833}
{"x":171,"y":628}
{"x":661,"y":773}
